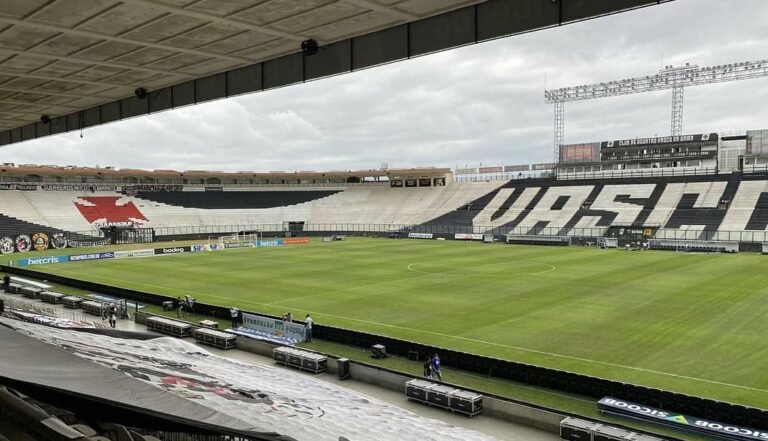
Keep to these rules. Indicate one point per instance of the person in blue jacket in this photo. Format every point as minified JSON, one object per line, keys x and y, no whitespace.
{"x":436,"y":374}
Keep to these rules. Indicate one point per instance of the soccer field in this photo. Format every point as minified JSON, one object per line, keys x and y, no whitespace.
{"x":690,"y":323}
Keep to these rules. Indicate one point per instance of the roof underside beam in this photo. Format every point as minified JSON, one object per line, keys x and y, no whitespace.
{"x":468,"y":25}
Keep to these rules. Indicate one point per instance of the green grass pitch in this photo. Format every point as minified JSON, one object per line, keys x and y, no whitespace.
{"x":695,"y":324}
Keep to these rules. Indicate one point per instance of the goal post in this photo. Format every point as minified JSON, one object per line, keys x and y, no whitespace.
{"x":239,"y":240}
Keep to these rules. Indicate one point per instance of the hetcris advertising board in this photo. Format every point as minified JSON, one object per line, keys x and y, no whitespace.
{"x":711,"y":429}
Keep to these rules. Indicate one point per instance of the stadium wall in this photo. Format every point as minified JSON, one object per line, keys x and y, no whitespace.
{"x":562,"y":381}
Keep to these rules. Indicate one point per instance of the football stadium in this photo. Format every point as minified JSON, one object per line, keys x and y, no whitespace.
{"x":615,"y":293}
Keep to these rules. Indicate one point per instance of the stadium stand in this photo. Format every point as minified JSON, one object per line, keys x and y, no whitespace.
{"x":730,"y":207}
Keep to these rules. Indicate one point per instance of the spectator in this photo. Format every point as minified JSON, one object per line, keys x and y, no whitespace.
{"x":289,"y":317}
{"x":234,"y":312}
{"x":308,"y":328}
{"x":428,"y":369}
{"x":177,"y":306}
{"x":436,"y":367}
{"x":112,"y":316}
{"x":6,"y":282}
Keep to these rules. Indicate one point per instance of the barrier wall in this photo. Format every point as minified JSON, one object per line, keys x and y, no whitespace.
{"x":562,"y":381}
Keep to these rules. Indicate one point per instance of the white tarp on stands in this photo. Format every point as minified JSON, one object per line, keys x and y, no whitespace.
{"x":273,"y":400}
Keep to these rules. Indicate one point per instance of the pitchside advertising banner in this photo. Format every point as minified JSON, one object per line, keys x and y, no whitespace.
{"x":42,"y":260}
{"x":684,"y":422}
{"x":420,"y":235}
{"x":468,"y":236}
{"x":92,"y":256}
{"x":275,"y":327}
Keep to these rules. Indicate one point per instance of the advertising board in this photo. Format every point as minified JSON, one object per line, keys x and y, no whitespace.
{"x":296,"y":241}
{"x":686,"y":422}
{"x":172,"y":250}
{"x":468,"y":236}
{"x":92,"y":256}
{"x":47,"y":260}
{"x":575,"y":153}
{"x":134,"y":253}
{"x":269,"y":243}
{"x":275,"y":327}
{"x":420,"y":235}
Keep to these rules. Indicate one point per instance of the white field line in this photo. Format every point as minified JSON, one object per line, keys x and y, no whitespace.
{"x":454,"y":337}
{"x":411,"y":267}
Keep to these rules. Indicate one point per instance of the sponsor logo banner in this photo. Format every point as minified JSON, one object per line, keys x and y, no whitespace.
{"x":230,"y":245}
{"x":172,"y":250}
{"x":40,"y":241}
{"x":214,"y":188}
{"x":79,"y":187}
{"x":272,"y":326}
{"x":296,"y":241}
{"x":43,"y":260}
{"x":269,"y":243}
{"x":134,"y":253}
{"x":22,"y":187}
{"x":7,"y":245}
{"x":491,"y":169}
{"x":92,"y":256}
{"x":661,"y":140}
{"x":153,"y":187}
{"x":700,"y":425}
{"x":468,"y":236}
{"x":58,"y":240}
{"x":206,"y":247}
{"x":89,"y":243}
{"x":23,"y":243}
{"x":420,"y":235}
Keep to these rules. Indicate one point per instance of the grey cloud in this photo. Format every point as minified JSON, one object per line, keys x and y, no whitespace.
{"x":477,"y":104}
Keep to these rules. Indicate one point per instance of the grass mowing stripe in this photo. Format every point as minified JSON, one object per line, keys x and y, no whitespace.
{"x":691,"y":324}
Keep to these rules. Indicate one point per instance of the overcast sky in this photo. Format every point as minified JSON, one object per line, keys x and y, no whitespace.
{"x":478,"y":104}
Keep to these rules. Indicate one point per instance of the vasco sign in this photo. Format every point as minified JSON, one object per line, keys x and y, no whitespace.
{"x":686,"y":422}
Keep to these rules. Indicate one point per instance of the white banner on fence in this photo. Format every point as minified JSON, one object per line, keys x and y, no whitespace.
{"x":276,"y":327}
{"x":420,"y":235}
{"x":134,"y":253}
{"x":468,"y":236}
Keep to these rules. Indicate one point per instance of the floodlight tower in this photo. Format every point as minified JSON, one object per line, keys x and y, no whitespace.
{"x":675,"y":78}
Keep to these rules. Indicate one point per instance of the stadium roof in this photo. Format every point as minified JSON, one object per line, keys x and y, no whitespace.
{"x":51,"y":170}
{"x":79,"y":62}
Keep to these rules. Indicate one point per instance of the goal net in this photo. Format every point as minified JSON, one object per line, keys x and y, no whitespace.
{"x":239,"y":240}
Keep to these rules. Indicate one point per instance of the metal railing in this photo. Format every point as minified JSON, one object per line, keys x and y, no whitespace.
{"x":636,"y":173}
{"x":271,"y":229}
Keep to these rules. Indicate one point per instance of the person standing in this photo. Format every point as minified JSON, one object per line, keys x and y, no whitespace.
{"x":436,"y":367}
{"x":308,"y":328}
{"x":177,"y":306}
{"x":234,"y":312}
{"x":112,"y":316}
{"x":428,"y":368}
